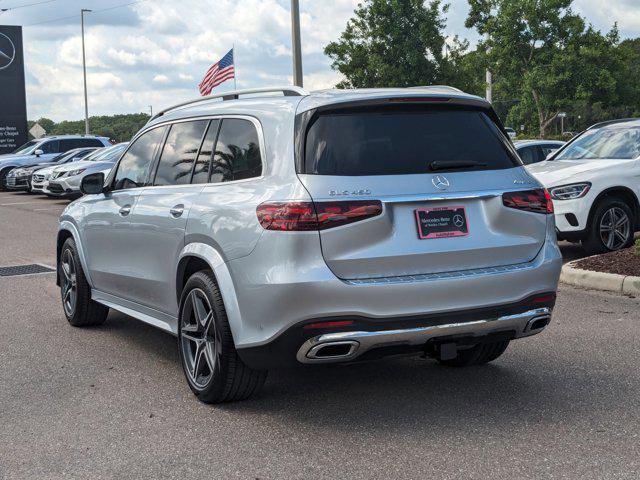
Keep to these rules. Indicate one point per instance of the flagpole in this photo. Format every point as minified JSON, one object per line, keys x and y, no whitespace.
{"x":235,"y":69}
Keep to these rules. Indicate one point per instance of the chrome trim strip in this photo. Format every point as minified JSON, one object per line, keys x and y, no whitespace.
{"x":420,"y":335}
{"x":427,"y":277}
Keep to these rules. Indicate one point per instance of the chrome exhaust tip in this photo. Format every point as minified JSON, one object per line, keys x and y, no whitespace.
{"x":536,"y":325}
{"x":333,"y":350}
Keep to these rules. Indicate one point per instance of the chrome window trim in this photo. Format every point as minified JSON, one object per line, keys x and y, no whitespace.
{"x":254,"y":120}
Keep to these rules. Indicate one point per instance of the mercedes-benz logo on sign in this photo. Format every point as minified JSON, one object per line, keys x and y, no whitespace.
{"x":440,"y":182}
{"x":458,"y":221}
{"x":7,"y":51}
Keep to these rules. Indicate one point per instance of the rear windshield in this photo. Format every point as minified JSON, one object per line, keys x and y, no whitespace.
{"x":401,"y":142}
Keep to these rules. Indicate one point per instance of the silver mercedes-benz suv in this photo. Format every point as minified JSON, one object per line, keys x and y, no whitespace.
{"x":276,"y":226}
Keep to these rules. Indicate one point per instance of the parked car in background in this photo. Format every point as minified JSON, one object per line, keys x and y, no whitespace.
{"x":40,"y":177}
{"x":534,"y":151}
{"x":65,"y":180}
{"x":511,"y":132}
{"x":593,"y":182}
{"x":312,"y":228}
{"x":44,"y":150}
{"x":20,"y":177}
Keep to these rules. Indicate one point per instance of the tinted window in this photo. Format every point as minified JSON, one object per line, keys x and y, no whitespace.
{"x":179,"y":153}
{"x":386,"y":141}
{"x":50,"y":147}
{"x":133,"y":169}
{"x":547,"y":149}
{"x":80,"y":143}
{"x":528,"y":155}
{"x":237,"y":154}
{"x":201,"y":170}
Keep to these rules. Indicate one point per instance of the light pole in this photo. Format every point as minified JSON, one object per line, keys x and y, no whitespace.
{"x":84,"y":72}
{"x":488,"y":77}
{"x":295,"y":43}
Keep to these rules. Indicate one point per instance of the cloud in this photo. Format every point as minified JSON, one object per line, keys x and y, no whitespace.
{"x":156,"y":52}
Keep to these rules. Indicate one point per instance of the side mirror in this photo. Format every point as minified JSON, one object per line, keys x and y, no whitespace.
{"x":38,"y":152}
{"x":92,"y":183}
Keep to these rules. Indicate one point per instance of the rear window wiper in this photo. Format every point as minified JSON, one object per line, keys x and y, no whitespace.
{"x":454,"y":164}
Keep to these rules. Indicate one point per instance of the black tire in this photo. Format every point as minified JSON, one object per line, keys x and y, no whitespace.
{"x":77,"y":305}
{"x":594,"y":242}
{"x":477,"y":355}
{"x":214,"y":371}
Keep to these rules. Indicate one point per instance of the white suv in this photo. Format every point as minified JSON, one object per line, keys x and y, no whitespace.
{"x":313,"y":228}
{"x":594,"y":184}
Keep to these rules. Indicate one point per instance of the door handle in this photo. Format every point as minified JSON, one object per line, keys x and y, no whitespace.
{"x":177,"y":211}
{"x":125,"y":210}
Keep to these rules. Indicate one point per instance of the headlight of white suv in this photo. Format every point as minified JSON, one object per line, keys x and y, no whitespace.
{"x":73,"y":173}
{"x":570,"y":192}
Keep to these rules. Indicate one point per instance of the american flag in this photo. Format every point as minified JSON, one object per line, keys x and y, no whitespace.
{"x":218,"y":73}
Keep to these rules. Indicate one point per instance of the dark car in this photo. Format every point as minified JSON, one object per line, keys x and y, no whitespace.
{"x":20,"y":177}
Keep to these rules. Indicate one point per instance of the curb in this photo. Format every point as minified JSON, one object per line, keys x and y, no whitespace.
{"x":608,"y":282}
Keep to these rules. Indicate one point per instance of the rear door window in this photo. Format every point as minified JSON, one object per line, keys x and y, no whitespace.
{"x":385,"y":141}
{"x":237,"y":153}
{"x":179,"y":153}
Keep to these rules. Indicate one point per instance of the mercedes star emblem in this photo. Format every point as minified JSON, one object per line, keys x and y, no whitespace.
{"x":458,"y":221}
{"x":7,"y":51}
{"x":440,"y":182}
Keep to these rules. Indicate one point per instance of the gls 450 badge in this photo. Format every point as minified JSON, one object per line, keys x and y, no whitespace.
{"x":340,"y":193}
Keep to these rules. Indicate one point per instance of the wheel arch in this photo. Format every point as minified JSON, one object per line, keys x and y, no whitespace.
{"x":69,"y":230}
{"x":200,"y":256}
{"x":623,"y":193}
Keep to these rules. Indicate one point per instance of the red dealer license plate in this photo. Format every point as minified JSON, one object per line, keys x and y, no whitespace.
{"x":442,"y":222}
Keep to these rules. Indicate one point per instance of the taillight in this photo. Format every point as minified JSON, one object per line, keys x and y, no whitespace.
{"x":537,"y":201}
{"x":305,"y":216}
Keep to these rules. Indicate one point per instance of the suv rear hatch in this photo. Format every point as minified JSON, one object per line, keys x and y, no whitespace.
{"x":438,"y":171}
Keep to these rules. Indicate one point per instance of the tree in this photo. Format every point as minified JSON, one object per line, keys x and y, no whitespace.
{"x":546,"y":55}
{"x":391,"y":43}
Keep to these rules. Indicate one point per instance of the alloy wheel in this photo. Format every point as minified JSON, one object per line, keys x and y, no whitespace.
{"x":198,"y":339}
{"x":69,"y":286}
{"x":615,"y":228}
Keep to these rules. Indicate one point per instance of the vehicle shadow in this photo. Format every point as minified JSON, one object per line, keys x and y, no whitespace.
{"x":407,"y":393}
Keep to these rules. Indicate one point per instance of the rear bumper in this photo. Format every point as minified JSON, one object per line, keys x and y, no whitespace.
{"x":368,"y":338}
{"x":279,"y":285}
{"x":352,"y":345}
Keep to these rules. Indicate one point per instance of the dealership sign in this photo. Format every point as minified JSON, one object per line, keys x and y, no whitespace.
{"x":13,"y":105}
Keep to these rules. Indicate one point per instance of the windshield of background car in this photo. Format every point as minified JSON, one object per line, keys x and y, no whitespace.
{"x":104,"y":154}
{"x":111,"y":154}
{"x":614,"y":141}
{"x":26,"y":147}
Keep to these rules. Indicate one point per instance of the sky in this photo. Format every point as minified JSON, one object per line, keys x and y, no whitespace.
{"x":155,"y":52}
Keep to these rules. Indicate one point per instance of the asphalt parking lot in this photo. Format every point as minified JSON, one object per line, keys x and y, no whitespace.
{"x":111,"y":402}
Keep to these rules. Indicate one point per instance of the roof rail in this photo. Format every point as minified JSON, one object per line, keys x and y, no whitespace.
{"x":434,"y":87}
{"x":287,"y":91}
{"x":611,"y":122}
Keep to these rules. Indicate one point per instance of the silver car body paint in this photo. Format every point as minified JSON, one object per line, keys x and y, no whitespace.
{"x":272,"y":280}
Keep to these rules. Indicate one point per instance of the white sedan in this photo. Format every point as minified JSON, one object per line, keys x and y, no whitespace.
{"x":594,"y":182}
